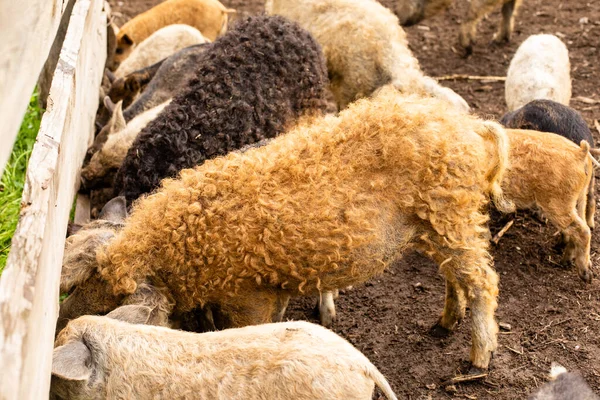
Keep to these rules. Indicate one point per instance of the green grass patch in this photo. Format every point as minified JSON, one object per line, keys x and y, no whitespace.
{"x":13,"y":178}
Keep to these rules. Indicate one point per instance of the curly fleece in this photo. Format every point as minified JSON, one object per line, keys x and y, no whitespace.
{"x":251,"y":84}
{"x":324,"y":206}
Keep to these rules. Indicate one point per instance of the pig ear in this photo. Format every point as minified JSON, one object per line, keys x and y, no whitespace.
{"x":73,"y":228}
{"x":113,"y":25}
{"x":115,"y":210}
{"x":127,"y":40}
{"x":134,"y":314}
{"x":117,"y":121}
{"x":72,"y":361}
{"x":73,"y":276}
{"x":110,"y":75}
{"x":108,"y":103}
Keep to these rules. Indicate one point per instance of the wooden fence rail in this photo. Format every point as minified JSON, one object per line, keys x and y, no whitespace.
{"x":29,"y":284}
{"x":28,"y":30}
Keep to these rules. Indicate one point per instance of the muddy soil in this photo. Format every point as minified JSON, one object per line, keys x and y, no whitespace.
{"x":553,"y":315}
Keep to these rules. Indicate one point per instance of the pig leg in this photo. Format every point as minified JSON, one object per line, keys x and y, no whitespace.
{"x":481,"y":284}
{"x":579,"y":241}
{"x":577,"y":233}
{"x":591,"y":202}
{"x":568,"y":256}
{"x":249,"y":308}
{"x":326,"y":307}
{"x":468,"y":30}
{"x":470,"y":269}
{"x":509,"y":10}
{"x":454,"y":309}
{"x":208,"y":317}
{"x":282,"y":302}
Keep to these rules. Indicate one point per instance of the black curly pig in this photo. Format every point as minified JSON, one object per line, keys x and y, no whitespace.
{"x":250,"y":84}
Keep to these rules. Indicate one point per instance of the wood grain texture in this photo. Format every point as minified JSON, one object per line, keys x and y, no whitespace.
{"x":28,"y":31}
{"x":29,"y":284}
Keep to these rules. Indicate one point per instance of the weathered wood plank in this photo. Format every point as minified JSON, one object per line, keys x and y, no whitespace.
{"x":29,"y":284}
{"x":28,"y":30}
{"x":45,"y":77}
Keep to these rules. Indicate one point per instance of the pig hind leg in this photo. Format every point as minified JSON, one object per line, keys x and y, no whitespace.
{"x":509,"y":10}
{"x":468,"y":30}
{"x":283,"y":300}
{"x":472,"y":281}
{"x":591,"y":202}
{"x":454,"y":309}
{"x":576,"y":233}
{"x":326,"y":307}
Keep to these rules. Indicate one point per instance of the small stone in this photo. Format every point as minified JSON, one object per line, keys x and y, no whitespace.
{"x":418,"y":286}
{"x":584,"y":20}
{"x":506,"y":327}
{"x":426,"y":28}
{"x":577,"y":347}
{"x":451,"y":389}
{"x":431,"y":386}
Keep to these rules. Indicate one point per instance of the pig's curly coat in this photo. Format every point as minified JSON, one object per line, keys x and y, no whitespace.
{"x":251,"y":84}
{"x":325,"y":206}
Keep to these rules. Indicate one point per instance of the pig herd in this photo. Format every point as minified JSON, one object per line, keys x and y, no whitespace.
{"x":297,"y":153}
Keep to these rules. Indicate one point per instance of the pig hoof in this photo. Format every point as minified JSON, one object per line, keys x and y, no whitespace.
{"x":466,"y":45}
{"x":325,"y":316}
{"x":467,"y":51}
{"x":586,"y":275}
{"x":500,"y":38}
{"x":327,"y":321}
{"x":591,"y":223}
{"x":568,"y":262}
{"x":475,"y":371}
{"x":439,"y":331}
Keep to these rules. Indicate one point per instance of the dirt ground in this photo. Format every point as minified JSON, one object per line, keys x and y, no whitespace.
{"x":554,"y":316}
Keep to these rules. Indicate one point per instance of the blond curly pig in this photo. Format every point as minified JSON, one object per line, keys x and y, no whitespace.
{"x":365,"y":48}
{"x":328,"y":205}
